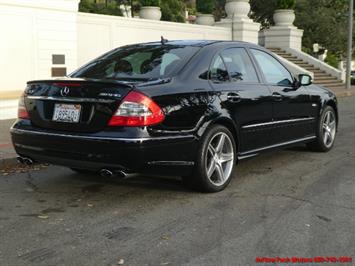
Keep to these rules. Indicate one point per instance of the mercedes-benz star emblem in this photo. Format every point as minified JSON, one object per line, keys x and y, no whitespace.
{"x":65,"y":91}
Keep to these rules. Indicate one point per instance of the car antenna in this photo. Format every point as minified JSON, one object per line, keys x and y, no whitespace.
{"x":163,"y":41}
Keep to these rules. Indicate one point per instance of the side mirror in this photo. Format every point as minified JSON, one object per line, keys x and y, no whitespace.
{"x":304,"y":80}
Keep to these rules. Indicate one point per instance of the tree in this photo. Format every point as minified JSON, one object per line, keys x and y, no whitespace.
{"x":323,"y":22}
{"x":263,"y":11}
{"x":173,"y":10}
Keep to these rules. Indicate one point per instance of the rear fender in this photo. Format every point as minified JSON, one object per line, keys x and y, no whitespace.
{"x":224,"y":121}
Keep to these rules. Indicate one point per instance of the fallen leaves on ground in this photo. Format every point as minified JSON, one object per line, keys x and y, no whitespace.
{"x":43,"y":216}
{"x":165,"y":237}
{"x":20,"y":168}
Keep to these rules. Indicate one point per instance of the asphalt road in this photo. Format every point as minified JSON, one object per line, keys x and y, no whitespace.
{"x":287,"y":203}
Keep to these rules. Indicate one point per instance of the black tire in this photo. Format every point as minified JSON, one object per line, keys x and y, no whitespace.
{"x":320,"y":144}
{"x":200,"y":180}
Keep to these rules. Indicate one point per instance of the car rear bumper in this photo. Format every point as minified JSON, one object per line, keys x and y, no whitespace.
{"x":165,"y":155}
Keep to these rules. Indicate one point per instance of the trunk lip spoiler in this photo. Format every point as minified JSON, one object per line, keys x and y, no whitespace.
{"x":68,"y":80}
{"x":129,"y":84}
{"x":70,"y":99}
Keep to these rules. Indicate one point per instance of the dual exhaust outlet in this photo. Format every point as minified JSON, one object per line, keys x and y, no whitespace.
{"x":113,"y":173}
{"x":25,"y":160}
{"x":103,"y":172}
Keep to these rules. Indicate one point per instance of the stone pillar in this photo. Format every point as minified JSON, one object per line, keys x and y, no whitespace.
{"x":284,"y":34}
{"x":243,"y":28}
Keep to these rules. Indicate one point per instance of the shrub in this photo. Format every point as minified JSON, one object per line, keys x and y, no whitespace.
{"x":150,"y":2}
{"x":173,"y":10}
{"x":286,"y":4}
{"x":87,"y":6}
{"x":307,"y":50}
{"x":112,"y":8}
{"x":205,"y":6}
{"x":332,"y":60}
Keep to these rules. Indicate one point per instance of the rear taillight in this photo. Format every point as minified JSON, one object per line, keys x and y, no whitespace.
{"x":135,"y":110}
{"x":22,"y":111}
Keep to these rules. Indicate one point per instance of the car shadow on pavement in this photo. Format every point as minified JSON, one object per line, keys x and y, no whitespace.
{"x":137,"y":181}
{"x":261,"y":164}
{"x":299,"y":148}
{"x":55,"y":178}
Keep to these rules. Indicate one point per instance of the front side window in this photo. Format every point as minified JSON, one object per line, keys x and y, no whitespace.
{"x":140,"y":62}
{"x":239,"y":65}
{"x":274,"y":72}
{"x":218,"y":71}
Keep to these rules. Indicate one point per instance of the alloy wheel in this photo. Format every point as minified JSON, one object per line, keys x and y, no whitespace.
{"x":329,"y":129}
{"x":219,"y":159}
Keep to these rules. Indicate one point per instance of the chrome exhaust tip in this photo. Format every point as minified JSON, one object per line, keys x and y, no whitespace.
{"x":28,"y":161}
{"x":20,"y":159}
{"x":121,"y":174}
{"x":106,"y":173}
{"x":115,"y":173}
{"x":24,"y":160}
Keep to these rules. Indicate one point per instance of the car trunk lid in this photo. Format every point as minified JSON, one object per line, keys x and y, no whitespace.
{"x":79,"y":105}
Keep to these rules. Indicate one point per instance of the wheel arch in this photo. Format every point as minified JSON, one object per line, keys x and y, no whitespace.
{"x":229,"y":124}
{"x":332,"y":103}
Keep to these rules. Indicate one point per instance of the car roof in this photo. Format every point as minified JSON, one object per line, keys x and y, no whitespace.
{"x":200,"y":43}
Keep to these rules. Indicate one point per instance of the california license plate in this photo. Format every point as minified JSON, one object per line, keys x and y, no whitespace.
{"x":69,"y":113}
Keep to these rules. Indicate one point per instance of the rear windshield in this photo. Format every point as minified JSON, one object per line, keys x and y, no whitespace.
{"x":138,"y":62}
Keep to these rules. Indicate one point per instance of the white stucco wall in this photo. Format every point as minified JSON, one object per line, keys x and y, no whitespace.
{"x":100,"y":33}
{"x":30,"y":32}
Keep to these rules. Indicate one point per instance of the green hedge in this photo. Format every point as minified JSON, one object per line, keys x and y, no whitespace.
{"x":150,"y":2}
{"x":112,"y":8}
{"x":332,"y":60}
{"x":173,"y":10}
{"x":286,"y":4}
{"x":205,"y":6}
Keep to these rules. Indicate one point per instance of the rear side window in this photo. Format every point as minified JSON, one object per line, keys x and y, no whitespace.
{"x":218,"y":71}
{"x":239,"y":65}
{"x":150,"y":61}
{"x":274,"y":72}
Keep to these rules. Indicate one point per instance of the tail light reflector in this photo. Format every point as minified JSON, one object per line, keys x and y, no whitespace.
{"x":22,"y":112}
{"x":136,"y":110}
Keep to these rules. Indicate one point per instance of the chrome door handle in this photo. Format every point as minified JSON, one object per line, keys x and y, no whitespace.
{"x":233,"y":97}
{"x":277,"y":96}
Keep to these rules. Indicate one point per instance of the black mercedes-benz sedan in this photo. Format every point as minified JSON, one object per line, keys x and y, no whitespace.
{"x":183,"y":108}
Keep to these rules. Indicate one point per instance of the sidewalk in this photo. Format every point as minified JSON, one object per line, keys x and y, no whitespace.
{"x":8,"y":155}
{"x":344,"y":93}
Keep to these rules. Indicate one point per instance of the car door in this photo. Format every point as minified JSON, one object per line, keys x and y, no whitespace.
{"x":292,"y":118}
{"x":247,"y":101}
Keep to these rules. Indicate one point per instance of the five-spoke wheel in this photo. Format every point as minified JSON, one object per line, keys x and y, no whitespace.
{"x":326,"y":131}
{"x":329,"y":128}
{"x":219,"y":158}
{"x":216,"y":161}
